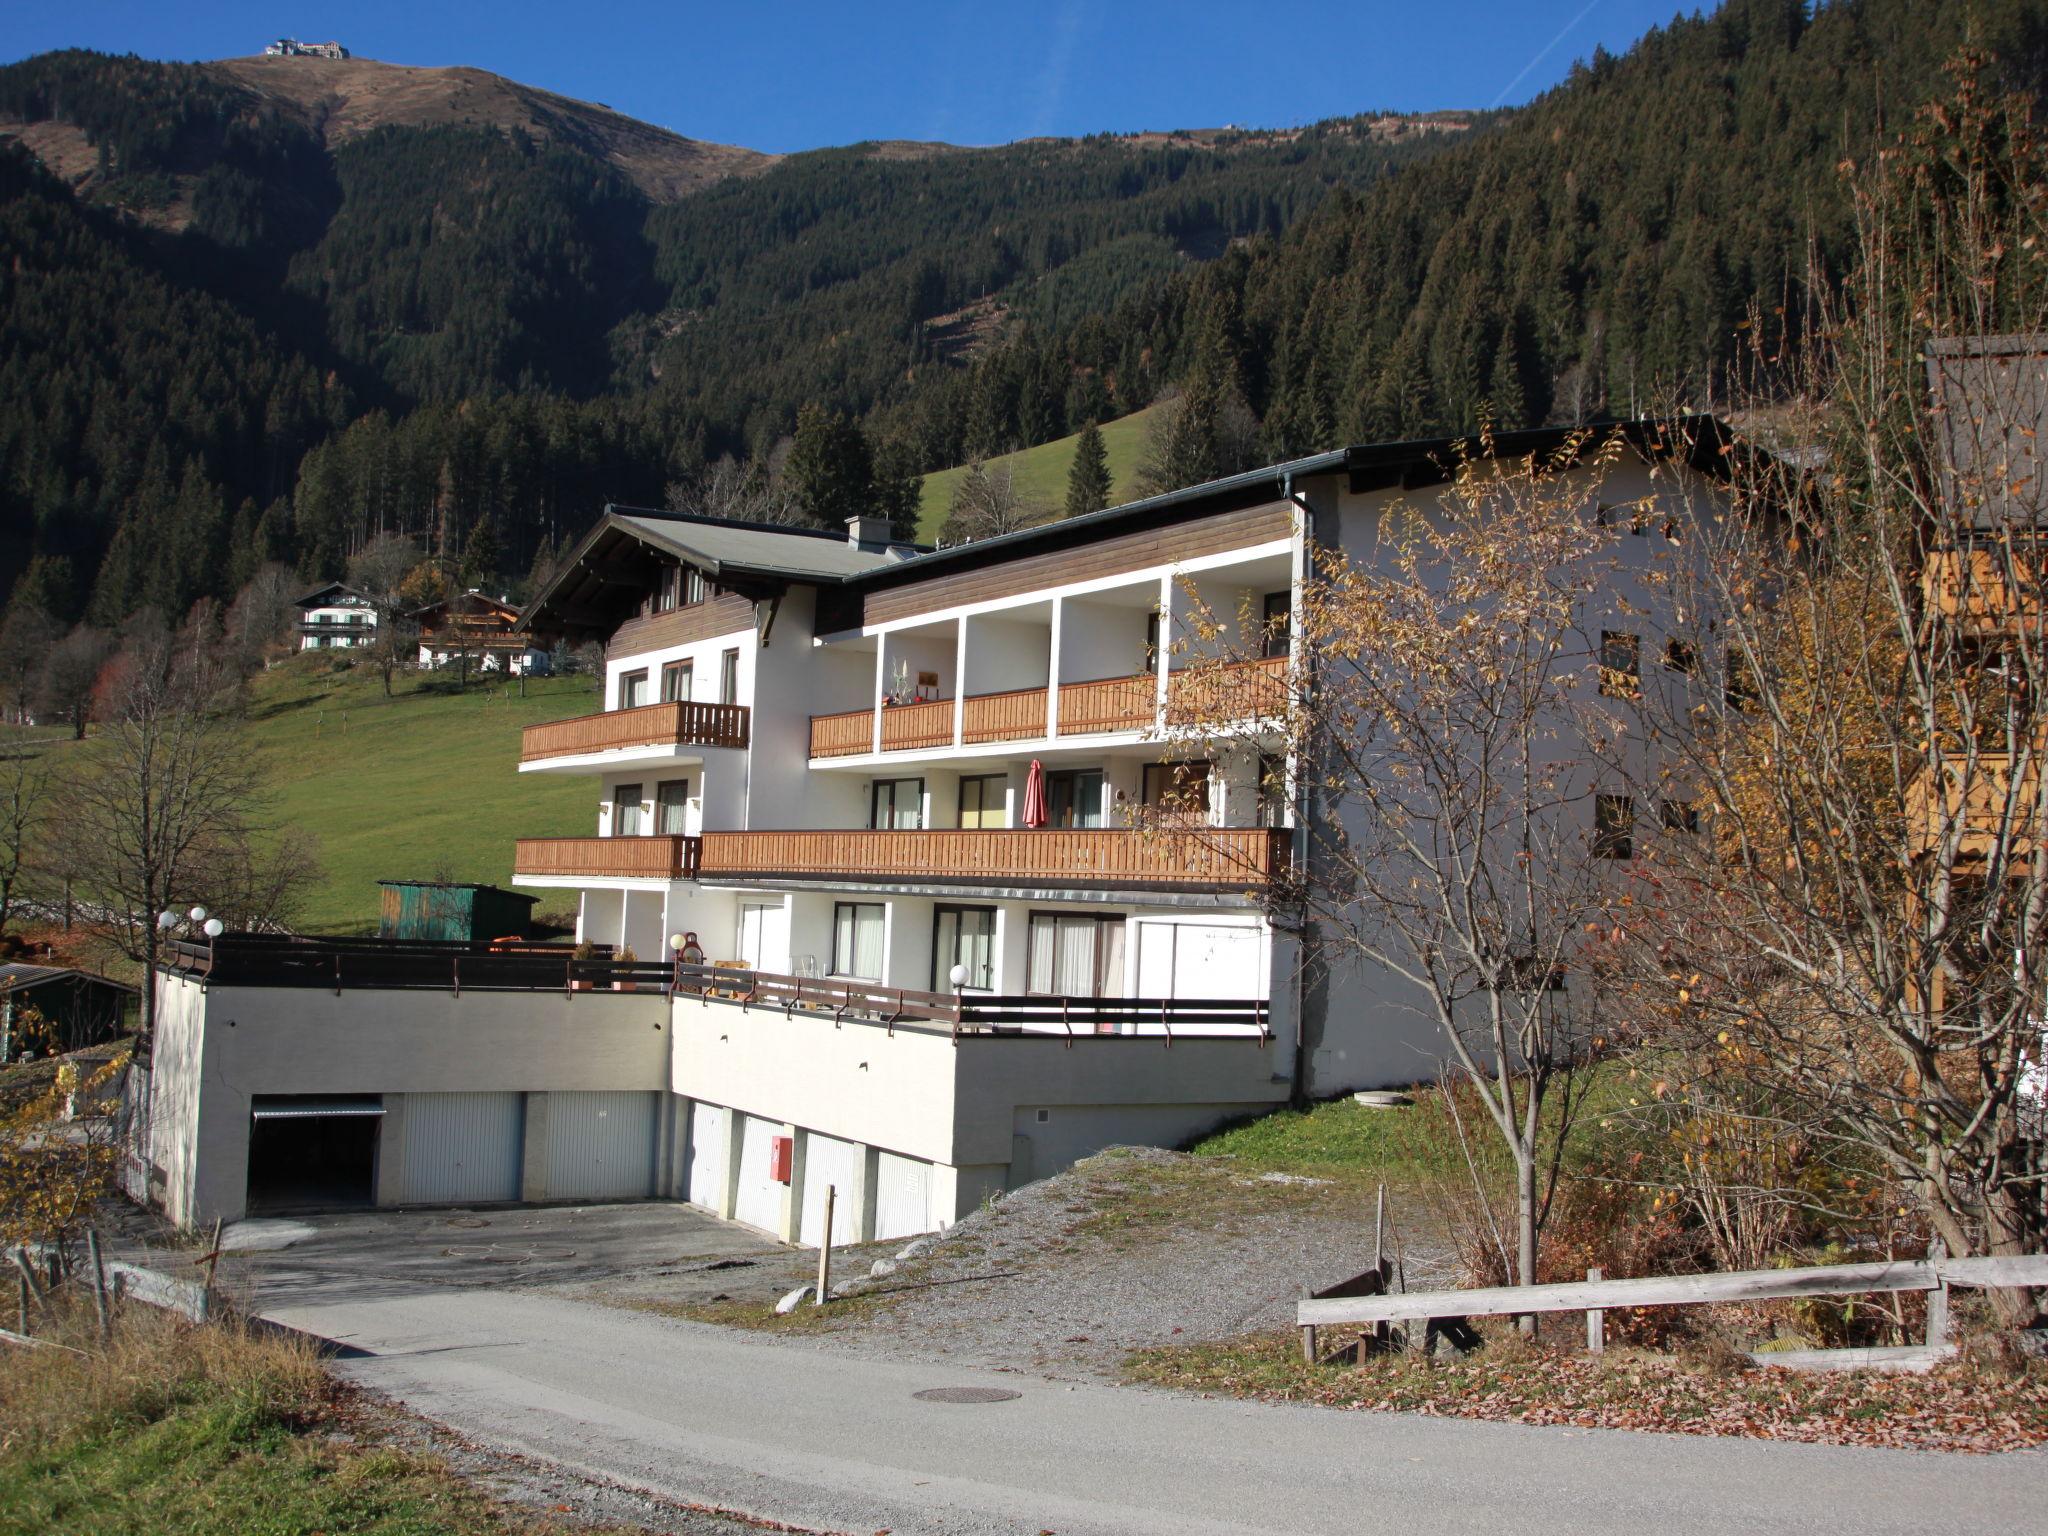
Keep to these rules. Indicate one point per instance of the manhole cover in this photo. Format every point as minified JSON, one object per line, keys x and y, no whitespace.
{"x":467,"y":1221}
{"x":965,"y":1395}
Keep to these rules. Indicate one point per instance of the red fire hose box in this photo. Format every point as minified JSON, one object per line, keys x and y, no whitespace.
{"x":781,"y":1151}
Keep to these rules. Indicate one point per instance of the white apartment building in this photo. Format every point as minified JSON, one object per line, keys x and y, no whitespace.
{"x":975,"y":878}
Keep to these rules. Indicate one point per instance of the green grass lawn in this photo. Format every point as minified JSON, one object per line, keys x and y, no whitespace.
{"x":424,"y":785}
{"x":1041,"y":472}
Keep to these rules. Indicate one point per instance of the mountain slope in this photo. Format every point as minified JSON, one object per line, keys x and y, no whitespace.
{"x":343,"y":99}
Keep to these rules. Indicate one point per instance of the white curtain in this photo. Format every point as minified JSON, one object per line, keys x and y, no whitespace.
{"x":857,"y":941}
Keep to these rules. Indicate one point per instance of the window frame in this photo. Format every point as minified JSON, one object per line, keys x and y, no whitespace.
{"x":729,"y":675}
{"x":875,"y":803}
{"x":1071,"y":777}
{"x":982,"y":781}
{"x":881,"y":910}
{"x":687,"y":671}
{"x":941,"y":973}
{"x":629,"y":683}
{"x":1183,"y":778}
{"x":1614,"y":826}
{"x":681,"y":802}
{"x":620,"y":805}
{"x":1055,"y":917}
{"x":1276,"y":639}
{"x":1621,"y":664}
{"x":1678,"y":815}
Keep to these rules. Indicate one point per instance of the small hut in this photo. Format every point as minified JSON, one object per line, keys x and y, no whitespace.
{"x":441,"y":909}
{"x":77,"y":1009}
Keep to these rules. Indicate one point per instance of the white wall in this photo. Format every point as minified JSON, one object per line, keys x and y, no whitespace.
{"x":1003,"y":654}
{"x":1098,"y":640}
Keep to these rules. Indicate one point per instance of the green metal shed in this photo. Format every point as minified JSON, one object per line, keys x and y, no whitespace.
{"x":439,"y":909}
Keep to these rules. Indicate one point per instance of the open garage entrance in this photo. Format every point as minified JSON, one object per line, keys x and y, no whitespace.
{"x":310,"y":1153}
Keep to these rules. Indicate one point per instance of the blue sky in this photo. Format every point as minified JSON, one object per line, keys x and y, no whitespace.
{"x":784,"y":76}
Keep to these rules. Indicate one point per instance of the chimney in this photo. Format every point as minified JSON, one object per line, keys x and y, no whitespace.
{"x":870,"y":532}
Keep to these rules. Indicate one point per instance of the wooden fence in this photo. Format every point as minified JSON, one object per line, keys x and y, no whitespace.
{"x":675,"y":723}
{"x":1421,"y":1314}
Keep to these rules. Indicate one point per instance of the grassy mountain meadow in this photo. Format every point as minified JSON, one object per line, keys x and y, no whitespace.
{"x":265,"y":310}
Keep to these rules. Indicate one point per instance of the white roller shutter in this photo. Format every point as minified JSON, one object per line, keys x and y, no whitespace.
{"x":760,"y":1198}
{"x":903,"y":1205}
{"x":829,"y":1162}
{"x":704,"y":1174}
{"x":461,"y":1148}
{"x":602,"y":1146}
{"x":1200,"y":960}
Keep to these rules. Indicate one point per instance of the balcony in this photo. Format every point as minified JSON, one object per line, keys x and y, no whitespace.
{"x":1986,"y":589}
{"x":1246,"y":690}
{"x":546,"y":859}
{"x":1206,"y":859}
{"x":652,"y":730}
{"x":1991,"y":808}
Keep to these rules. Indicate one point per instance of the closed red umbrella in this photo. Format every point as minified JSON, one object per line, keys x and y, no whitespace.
{"x":1035,"y":812}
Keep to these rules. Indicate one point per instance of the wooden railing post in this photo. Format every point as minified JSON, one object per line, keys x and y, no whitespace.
{"x":1596,"y":1321}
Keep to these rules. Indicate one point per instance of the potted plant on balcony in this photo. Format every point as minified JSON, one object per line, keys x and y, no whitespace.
{"x":624,"y":956}
{"x":582,"y":951}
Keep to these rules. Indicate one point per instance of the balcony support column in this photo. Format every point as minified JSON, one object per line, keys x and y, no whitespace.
{"x":1052,"y":669}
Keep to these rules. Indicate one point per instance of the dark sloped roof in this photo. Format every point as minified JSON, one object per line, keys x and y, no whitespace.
{"x":18,"y":975}
{"x":319,"y":595}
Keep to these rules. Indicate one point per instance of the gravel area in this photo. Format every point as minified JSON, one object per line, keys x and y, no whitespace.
{"x":1132,"y":1247}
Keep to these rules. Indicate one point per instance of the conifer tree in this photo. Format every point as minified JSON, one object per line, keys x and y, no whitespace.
{"x":831,"y":467}
{"x":1088,"y":482}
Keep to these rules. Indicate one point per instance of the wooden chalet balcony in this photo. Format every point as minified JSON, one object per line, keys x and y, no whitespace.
{"x":666,"y":857}
{"x":1219,"y":859}
{"x":1986,"y":589}
{"x":1236,"y":690}
{"x":1988,"y":803}
{"x":674,"y":724}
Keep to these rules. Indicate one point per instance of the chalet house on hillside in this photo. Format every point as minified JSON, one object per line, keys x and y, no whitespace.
{"x":479,"y":630}
{"x":336,"y":615}
{"x":918,"y":874}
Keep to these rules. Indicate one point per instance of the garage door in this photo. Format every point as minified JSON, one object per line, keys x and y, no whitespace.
{"x":830,"y":1163}
{"x":461,"y":1148}
{"x":704,"y":1169}
{"x":1200,"y":960}
{"x":760,"y":1198}
{"x":903,"y":1205}
{"x":602,"y":1146}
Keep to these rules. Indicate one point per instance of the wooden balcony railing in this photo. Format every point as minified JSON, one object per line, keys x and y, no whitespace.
{"x":666,"y":857}
{"x":1990,"y":806}
{"x":1109,"y":704}
{"x":674,"y":724}
{"x":1234,"y":858}
{"x":1236,"y":690}
{"x":908,"y":726}
{"x":843,"y":735}
{"x":1018,"y":715}
{"x":1986,"y":589}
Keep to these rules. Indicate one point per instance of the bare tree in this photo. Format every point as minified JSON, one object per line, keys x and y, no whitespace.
{"x":24,"y":804}
{"x":168,"y":805}
{"x":748,"y":493}
{"x":261,"y":619}
{"x":1445,"y":787}
{"x":70,"y":678}
{"x":986,"y":503}
{"x":381,"y":566}
{"x":1862,"y":919}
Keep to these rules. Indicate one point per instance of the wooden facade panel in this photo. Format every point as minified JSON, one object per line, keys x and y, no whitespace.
{"x":1109,"y":557}
{"x":725,"y":614}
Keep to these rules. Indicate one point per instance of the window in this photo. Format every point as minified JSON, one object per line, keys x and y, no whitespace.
{"x":626,"y":818}
{"x":1680,"y":815}
{"x":963,"y":936}
{"x":729,"y":677}
{"x":897,"y":805}
{"x":857,"y":939}
{"x":1278,"y":623}
{"x":1740,"y":688}
{"x":1152,"y":641}
{"x":1076,"y":956}
{"x":1620,"y":665}
{"x":984,"y":800}
{"x":632,"y":689}
{"x":1614,"y":825}
{"x":669,"y":592}
{"x":757,"y":922}
{"x":672,"y":807}
{"x":1073,"y":798}
{"x":675,"y":682}
{"x":695,"y":588}
{"x":1182,"y":787}
{"x":1272,"y":811}
{"x":1679,"y":656}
